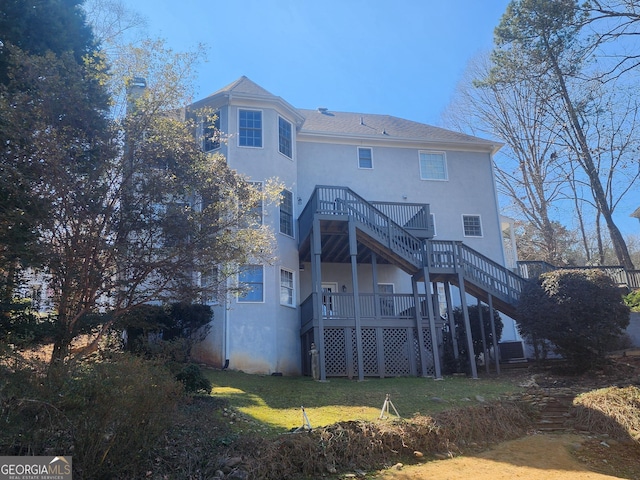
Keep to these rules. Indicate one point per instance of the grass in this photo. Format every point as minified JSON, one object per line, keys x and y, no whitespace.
{"x":274,"y":403}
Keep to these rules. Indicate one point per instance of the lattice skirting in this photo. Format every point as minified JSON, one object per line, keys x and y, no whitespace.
{"x":386,"y":352}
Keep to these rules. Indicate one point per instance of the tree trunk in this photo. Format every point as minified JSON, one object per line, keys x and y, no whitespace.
{"x":584,"y":156}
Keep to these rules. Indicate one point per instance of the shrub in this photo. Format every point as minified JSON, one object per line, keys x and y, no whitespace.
{"x":632,"y":300}
{"x":580,"y":312}
{"x":167,"y":331}
{"x":193,"y":380}
{"x":108,"y":415}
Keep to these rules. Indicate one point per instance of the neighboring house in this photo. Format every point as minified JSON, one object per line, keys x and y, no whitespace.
{"x":377,"y":211}
{"x":636,"y":213}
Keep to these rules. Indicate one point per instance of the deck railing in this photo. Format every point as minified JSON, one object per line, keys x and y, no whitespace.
{"x":445,"y":256}
{"x":342,"y":201}
{"x":383,"y":306}
{"x":442,"y":256}
{"x":414,"y":217}
{"x":621,"y":276}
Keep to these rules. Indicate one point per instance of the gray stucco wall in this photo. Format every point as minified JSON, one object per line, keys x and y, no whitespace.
{"x":633,"y":330}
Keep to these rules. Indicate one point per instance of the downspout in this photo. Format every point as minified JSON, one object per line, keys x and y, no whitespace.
{"x":225,"y":332}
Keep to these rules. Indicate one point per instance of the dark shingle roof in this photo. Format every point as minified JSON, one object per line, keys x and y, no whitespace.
{"x":364,"y":125}
{"x":384,"y":126}
{"x":245,"y":86}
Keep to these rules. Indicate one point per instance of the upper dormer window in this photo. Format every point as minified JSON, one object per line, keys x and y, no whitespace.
{"x":433,"y":166}
{"x":250,"y":128}
{"x":285,"y":139}
{"x":365,"y":157}
{"x":210,"y":132}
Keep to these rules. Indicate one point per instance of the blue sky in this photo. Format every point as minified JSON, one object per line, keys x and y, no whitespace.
{"x":402,"y":58}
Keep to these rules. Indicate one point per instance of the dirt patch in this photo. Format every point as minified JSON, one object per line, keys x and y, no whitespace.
{"x":602,"y":453}
{"x":548,"y":456}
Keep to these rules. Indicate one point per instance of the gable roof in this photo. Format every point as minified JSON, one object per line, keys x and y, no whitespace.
{"x":245,"y":86}
{"x":323,"y":122}
{"x":326,"y":122}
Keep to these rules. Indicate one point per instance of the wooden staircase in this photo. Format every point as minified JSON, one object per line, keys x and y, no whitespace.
{"x":390,"y":231}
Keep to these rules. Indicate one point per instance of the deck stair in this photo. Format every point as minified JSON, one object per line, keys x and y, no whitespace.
{"x":401,"y":235}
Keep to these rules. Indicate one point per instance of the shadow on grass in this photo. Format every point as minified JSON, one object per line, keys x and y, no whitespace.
{"x":277,"y":401}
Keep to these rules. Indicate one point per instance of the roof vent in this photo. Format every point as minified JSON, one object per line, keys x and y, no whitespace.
{"x":323,"y":109}
{"x":361,"y":120}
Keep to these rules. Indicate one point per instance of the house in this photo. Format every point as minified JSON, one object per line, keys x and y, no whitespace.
{"x":378,"y":214}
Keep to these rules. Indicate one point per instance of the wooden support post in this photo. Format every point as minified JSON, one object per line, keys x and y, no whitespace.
{"x":483,"y":337}
{"x":353,"y":252}
{"x":376,"y":290}
{"x":432,"y":326}
{"x":452,"y":321}
{"x":493,"y":334}
{"x":418,"y":317}
{"x":467,"y":325}
{"x":316,"y":285}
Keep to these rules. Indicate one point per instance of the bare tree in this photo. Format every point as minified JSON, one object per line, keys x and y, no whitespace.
{"x":609,"y":25}
{"x":540,"y":40}
{"x":528,"y":169}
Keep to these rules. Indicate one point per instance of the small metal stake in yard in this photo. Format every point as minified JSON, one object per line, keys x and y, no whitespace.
{"x":306,"y":425}
{"x":385,"y":408}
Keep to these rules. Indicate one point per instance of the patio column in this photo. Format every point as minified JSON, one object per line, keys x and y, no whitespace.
{"x":467,"y":325}
{"x":418,"y":317}
{"x":432,"y":325}
{"x":483,"y":337}
{"x":493,"y":334}
{"x":451,"y":319}
{"x":316,"y":286}
{"x":376,"y":291}
{"x":353,"y":252}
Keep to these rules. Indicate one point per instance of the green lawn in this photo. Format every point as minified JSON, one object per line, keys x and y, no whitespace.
{"x":274,"y":403}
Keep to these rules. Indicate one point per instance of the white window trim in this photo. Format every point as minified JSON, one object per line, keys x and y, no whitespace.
{"x":214,"y":297}
{"x":264,"y":288}
{"x":261,"y":128}
{"x":292,"y":141}
{"x":293,"y":287}
{"x":260,"y":185}
{"x":358,"y":158}
{"x":202,"y":132}
{"x":446,"y":167}
{"x":464,"y":233}
{"x":293,"y":217}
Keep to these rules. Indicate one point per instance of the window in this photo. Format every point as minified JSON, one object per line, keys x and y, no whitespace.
{"x":287,"y":296}
{"x":210,"y":132}
{"x":284,"y":137}
{"x":253,"y":214}
{"x":176,"y":223}
{"x":365,"y":158}
{"x":472,"y":225}
{"x":286,"y":213}
{"x":251,"y":277}
{"x":250,"y":131}
{"x":209,"y":285}
{"x":433,"y":166}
